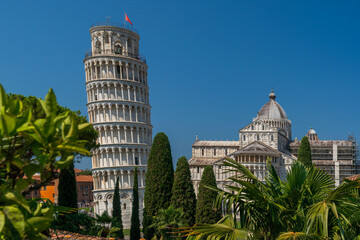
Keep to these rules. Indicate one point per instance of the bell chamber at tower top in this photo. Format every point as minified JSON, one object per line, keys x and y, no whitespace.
{"x":117,"y":40}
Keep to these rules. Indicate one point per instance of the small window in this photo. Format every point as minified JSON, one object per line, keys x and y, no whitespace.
{"x":272,"y":138}
{"x":96,"y":97}
{"x":202,"y":152}
{"x":257,"y":137}
{"x":219,"y":167}
{"x":136,"y":161}
{"x":244,"y":138}
{"x":86,"y":187}
{"x":118,"y":49}
{"x":44,"y":188}
{"x":263,"y":127}
{"x":124,"y":206}
{"x":214,"y":152}
{"x":198,"y":170}
{"x":106,"y":38}
{"x":226,"y":152}
{"x":81,"y":188}
{"x":252,"y":127}
{"x":98,"y":47}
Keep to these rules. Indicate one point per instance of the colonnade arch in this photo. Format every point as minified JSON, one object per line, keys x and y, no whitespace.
{"x":116,"y":69}
{"x":100,"y":91}
{"x":116,"y":134}
{"x":116,"y":112}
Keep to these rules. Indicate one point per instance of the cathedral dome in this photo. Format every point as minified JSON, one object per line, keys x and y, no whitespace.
{"x":272,"y":110}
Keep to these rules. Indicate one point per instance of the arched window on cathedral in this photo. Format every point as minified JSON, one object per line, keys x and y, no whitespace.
{"x":263,"y":127}
{"x":257,"y":137}
{"x":252,"y":127}
{"x":226,"y":152}
{"x":244,"y":138}
{"x":202,"y":152}
{"x":214,"y":152}
{"x":272,"y":138}
{"x":124,"y":206}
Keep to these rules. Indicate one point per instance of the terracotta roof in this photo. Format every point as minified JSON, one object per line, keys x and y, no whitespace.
{"x":84,"y":178}
{"x":353,"y":177}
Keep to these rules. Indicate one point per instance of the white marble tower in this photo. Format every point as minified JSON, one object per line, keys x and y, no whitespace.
{"x":118,"y":107}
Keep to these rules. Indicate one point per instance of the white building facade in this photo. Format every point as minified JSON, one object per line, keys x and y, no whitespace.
{"x":118,"y":107}
{"x":267,"y":136}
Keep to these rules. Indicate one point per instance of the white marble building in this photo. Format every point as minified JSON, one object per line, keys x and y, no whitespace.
{"x":118,"y":107}
{"x":268,"y":135}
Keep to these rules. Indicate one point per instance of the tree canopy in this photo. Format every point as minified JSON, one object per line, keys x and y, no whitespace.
{"x":205,"y":210}
{"x":116,"y":213}
{"x":158,"y":181}
{"x":183,"y":195}
{"x":304,"y":152}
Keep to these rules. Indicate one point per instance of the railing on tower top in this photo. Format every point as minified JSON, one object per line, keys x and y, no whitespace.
{"x":113,"y":24}
{"x":111,"y":52}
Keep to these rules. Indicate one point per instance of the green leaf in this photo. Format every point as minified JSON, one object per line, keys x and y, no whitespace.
{"x":64,"y":163}
{"x":73,"y":148}
{"x":3,"y":96}
{"x":16,"y":198}
{"x":16,"y":218}
{"x":31,"y":169}
{"x":39,"y":224}
{"x":2,"y":220}
{"x":83,"y":126}
{"x":21,"y":184}
{"x":50,"y":104}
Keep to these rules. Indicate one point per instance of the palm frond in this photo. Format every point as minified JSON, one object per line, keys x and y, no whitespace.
{"x":225,"y":229}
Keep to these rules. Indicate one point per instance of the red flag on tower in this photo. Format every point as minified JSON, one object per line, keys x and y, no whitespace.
{"x":128,"y":19}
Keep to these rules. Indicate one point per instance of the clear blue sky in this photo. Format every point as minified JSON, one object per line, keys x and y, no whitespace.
{"x":211,"y":64}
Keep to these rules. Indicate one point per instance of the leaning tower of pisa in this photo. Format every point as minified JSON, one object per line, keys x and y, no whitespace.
{"x":118,"y":107}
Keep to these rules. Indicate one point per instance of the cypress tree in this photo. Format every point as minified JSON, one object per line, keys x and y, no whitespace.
{"x":135,"y":221}
{"x":67,"y":187}
{"x":183,"y":195}
{"x":205,"y":210}
{"x":116,"y":213}
{"x":304,"y":152}
{"x":158,"y":181}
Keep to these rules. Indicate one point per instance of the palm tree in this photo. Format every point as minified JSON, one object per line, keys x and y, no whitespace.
{"x":305,"y":205}
{"x":165,"y":221}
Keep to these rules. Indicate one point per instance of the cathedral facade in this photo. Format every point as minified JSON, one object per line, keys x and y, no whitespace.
{"x":267,"y":136}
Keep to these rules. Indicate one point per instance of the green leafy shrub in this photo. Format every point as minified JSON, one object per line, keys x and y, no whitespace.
{"x":53,"y":141}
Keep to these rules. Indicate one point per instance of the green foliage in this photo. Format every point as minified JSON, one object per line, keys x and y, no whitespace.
{"x":159,"y":180}
{"x":135,"y":220}
{"x":306,"y":205}
{"x":85,"y":172}
{"x":53,"y":140}
{"x":166,"y":221}
{"x":205,"y":210}
{"x":183,"y":195}
{"x":117,"y":218}
{"x":304,"y":152}
{"x":67,"y":187}
{"x":224,"y":229}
